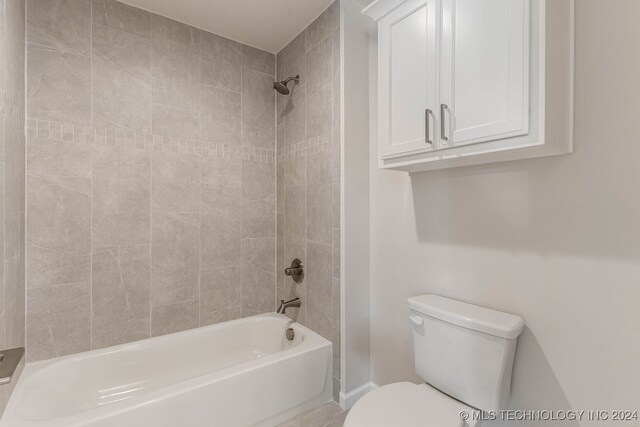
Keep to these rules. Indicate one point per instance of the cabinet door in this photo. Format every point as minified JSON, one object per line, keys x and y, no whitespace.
{"x":407,"y":86}
{"x":484,"y":86}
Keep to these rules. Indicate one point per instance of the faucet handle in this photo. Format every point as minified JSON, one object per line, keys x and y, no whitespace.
{"x":296,"y":271}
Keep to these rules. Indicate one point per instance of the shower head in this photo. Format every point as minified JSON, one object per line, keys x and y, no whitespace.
{"x":282,"y":88}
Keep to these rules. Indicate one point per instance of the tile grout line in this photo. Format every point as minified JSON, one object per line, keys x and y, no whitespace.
{"x":150,"y":178}
{"x":306,"y":175}
{"x":275,"y":180}
{"x":24,"y":131}
{"x":242,"y":183}
{"x":91,"y":197}
{"x":200,"y":182}
{"x":4,"y":183}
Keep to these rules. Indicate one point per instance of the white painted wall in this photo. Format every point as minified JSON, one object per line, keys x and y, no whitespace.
{"x":355,"y":204}
{"x":556,"y":240}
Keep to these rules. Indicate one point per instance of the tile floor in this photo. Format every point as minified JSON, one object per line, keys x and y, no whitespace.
{"x":329,"y":415}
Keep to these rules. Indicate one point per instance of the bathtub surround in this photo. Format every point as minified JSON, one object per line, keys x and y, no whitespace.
{"x":150,"y":177}
{"x":308,"y":177}
{"x":12,"y":169}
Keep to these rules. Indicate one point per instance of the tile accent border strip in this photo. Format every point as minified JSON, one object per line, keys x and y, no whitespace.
{"x":301,"y":149}
{"x":57,"y":131}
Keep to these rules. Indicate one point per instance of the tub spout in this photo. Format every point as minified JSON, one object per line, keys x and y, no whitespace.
{"x":296,"y":303}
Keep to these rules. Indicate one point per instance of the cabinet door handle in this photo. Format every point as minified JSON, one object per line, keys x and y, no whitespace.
{"x":443,"y":133}
{"x":427,"y":126}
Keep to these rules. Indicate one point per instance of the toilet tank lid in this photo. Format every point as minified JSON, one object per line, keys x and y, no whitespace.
{"x":468,"y":316}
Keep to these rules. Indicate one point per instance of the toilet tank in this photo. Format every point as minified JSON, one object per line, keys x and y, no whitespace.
{"x":465,"y":350}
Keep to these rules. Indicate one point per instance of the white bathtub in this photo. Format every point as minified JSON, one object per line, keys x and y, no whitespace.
{"x":238,"y":373}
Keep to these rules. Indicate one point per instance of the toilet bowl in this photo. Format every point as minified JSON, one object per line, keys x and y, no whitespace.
{"x":409,"y":405}
{"x":464,"y":353}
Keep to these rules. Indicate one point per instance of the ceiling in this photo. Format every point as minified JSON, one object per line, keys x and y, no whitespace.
{"x":266,"y":24}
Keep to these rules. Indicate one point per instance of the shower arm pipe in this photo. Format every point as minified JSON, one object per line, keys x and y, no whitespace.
{"x":295,"y":79}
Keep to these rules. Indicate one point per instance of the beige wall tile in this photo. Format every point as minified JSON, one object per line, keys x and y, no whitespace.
{"x":309,"y":182}
{"x":230,"y":312}
{"x":320,"y":29}
{"x":121,"y":87}
{"x":258,"y":275}
{"x":258,"y":60}
{"x":294,"y":106}
{"x":59,"y":85}
{"x":335,"y":340}
{"x":280,"y":260}
{"x":295,"y":114}
{"x":15,"y":38}
{"x":220,"y":115}
{"x":4,"y":232}
{"x":294,"y":56}
{"x":121,"y":197}
{"x":121,"y":17}
{"x":295,"y":228}
{"x":260,"y":253}
{"x":319,"y":112}
{"x":12,"y":179}
{"x":222,"y":173}
{"x":120,"y":295}
{"x":14,"y":230}
{"x":319,"y":197}
{"x":175,"y":182}
{"x":319,"y":285}
{"x":15,"y":160}
{"x":120,"y":213}
{"x":59,"y":236}
{"x":258,"y":199}
{"x":220,"y":62}
{"x":221,"y":197}
{"x":258,"y":218}
{"x":257,"y":180}
{"x":336,"y":253}
{"x":167,"y":319}
{"x":335,"y":214}
{"x":175,"y":122}
{"x":258,"y":109}
{"x":115,"y":164}
{"x":175,"y":63}
{"x":336,"y":302}
{"x":174,"y":257}
{"x":50,"y":266}
{"x":58,"y":320}
{"x":220,"y":295}
{"x":258,"y":290}
{"x":58,"y":158}
{"x":61,"y":24}
{"x":14,"y":296}
{"x":280,"y":168}
{"x":220,"y":234}
{"x":319,"y":66}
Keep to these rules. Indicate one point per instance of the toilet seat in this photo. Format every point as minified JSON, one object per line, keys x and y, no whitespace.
{"x":408,"y":405}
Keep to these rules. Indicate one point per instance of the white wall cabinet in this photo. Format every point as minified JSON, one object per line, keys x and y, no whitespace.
{"x":408,"y":39}
{"x":464,"y":82}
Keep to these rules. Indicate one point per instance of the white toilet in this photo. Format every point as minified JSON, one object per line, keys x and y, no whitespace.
{"x":464,"y":353}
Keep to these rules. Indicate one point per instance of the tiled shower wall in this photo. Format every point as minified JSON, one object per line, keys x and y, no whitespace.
{"x":12,"y":169}
{"x":308,"y":176}
{"x":150,"y":177}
